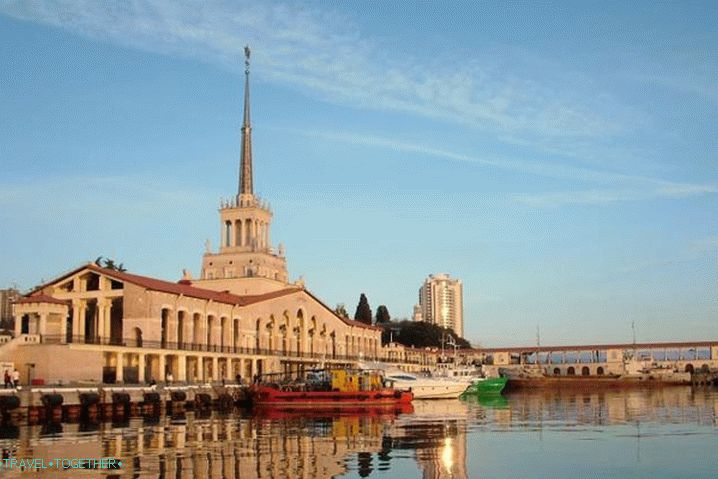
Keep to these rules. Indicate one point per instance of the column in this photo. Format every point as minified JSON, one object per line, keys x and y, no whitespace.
{"x":230,"y":239}
{"x":119,"y":369}
{"x":76,"y":308}
{"x":42,"y":325}
{"x":18,"y":324}
{"x":81,"y":322}
{"x":101,"y":314}
{"x":141,"y":368}
{"x":108,"y":319}
{"x":63,"y":328}
{"x":215,"y":368}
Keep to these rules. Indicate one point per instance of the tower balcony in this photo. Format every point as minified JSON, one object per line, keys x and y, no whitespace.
{"x":244,"y":201}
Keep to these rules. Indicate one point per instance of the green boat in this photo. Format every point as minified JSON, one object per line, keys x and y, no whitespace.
{"x":487,"y":386}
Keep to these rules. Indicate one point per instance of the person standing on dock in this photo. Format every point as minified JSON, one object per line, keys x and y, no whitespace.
{"x":16,"y":378}
{"x":8,"y":380}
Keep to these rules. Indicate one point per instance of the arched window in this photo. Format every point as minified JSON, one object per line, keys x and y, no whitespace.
{"x":164,"y":321}
{"x":556,"y":372}
{"x":599,"y":371}
{"x":571,"y":371}
{"x":585,"y":371}
{"x":196,"y":331}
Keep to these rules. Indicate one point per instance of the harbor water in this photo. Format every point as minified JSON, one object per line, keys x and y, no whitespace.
{"x":658,"y":433}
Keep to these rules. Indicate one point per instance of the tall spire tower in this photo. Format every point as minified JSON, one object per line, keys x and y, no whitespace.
{"x":245,"y":165}
{"x":246,"y":262}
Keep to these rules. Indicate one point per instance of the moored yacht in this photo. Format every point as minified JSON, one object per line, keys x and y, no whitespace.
{"x":423,"y":387}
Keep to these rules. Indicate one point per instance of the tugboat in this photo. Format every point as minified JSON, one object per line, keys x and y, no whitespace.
{"x":327,"y":388}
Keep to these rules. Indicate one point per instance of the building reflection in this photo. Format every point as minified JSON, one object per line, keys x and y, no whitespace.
{"x":436,"y":434}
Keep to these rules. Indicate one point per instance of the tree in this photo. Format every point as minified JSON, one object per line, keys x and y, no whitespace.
{"x":341,"y":311}
{"x":108,"y":263}
{"x":382,"y":315}
{"x":421,"y":334}
{"x":363,"y":312}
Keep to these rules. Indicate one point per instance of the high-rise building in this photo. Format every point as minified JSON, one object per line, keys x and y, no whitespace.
{"x":441,"y":301}
{"x":7,"y":296}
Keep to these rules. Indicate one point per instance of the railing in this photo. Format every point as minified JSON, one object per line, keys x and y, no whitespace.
{"x":208,"y":348}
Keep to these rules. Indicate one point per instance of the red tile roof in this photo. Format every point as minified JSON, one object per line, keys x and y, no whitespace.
{"x":39,"y":298}
{"x":188,"y":290}
{"x":185,"y":288}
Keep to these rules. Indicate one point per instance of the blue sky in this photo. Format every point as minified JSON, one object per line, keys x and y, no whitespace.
{"x":559,"y":158}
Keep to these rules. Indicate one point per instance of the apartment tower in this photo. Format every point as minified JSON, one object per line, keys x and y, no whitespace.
{"x":441,"y":302}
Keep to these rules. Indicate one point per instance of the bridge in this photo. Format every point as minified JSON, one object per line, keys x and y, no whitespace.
{"x":598,"y":359}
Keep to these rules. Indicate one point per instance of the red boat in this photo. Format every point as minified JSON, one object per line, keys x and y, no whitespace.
{"x":327,"y":388}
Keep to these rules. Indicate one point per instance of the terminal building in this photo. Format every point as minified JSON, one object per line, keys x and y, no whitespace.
{"x":241,"y":317}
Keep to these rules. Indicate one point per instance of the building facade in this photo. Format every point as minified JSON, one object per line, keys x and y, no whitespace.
{"x":441,"y":302}
{"x":241,"y":317}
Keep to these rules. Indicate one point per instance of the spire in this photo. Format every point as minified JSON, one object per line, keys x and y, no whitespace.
{"x":245,"y":167}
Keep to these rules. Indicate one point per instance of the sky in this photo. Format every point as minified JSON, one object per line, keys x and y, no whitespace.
{"x":560,"y":158}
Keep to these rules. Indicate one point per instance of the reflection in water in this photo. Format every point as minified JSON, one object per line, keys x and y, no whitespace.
{"x":434,"y":439}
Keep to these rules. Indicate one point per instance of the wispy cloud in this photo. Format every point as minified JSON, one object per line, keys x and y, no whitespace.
{"x":326,"y":54}
{"x":623,"y":187}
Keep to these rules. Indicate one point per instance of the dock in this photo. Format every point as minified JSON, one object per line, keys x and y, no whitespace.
{"x":56,"y":404}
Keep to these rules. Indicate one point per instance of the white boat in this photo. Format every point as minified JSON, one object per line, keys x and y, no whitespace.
{"x":464,"y":373}
{"x":422,"y":387}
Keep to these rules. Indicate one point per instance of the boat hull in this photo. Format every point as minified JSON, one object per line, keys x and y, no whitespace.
{"x":438,"y":391}
{"x":598,"y":382}
{"x":266,"y":396}
{"x":487,"y":386}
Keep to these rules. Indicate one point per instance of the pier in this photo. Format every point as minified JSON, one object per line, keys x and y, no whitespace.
{"x":41,"y":405}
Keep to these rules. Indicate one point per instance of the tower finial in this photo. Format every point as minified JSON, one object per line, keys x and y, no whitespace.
{"x":245,"y":167}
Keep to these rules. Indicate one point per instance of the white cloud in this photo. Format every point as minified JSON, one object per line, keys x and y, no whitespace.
{"x":326,"y":54}
{"x":632,"y":187}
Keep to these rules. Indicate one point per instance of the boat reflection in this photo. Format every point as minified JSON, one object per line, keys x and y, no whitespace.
{"x":492,"y":401}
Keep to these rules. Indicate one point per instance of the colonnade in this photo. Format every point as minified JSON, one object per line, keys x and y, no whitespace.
{"x":251,"y":233}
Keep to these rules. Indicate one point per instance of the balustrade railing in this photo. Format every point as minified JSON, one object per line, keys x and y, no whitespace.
{"x":201,"y":347}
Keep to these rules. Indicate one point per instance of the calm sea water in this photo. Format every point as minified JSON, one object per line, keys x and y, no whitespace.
{"x":670,"y":433}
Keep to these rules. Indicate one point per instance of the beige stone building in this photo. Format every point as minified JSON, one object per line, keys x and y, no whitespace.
{"x":241,"y":317}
